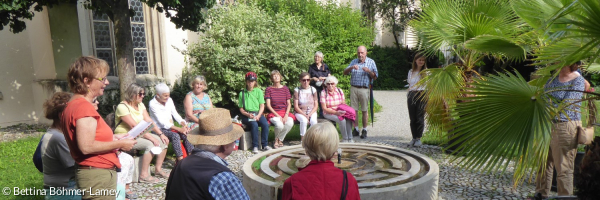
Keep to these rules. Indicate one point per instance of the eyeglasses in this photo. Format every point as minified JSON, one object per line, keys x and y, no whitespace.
{"x":305,"y":80}
{"x":141,"y":94}
{"x":330,"y":83}
{"x":95,"y":101}
{"x":101,"y":79}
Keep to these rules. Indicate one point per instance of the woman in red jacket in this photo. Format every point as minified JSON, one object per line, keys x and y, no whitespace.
{"x":320,"y":179}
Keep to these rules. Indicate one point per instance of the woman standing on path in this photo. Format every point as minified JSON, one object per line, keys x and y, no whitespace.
{"x":278,"y":102}
{"x":305,"y":103}
{"x":415,"y":100}
{"x":90,"y":139}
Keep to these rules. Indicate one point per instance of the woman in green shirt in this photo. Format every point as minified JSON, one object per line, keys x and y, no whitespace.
{"x":252,"y":104}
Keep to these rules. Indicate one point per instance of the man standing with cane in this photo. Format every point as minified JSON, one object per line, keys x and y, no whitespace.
{"x":363,"y":72}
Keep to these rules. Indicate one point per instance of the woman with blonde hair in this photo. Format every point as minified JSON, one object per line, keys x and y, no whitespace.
{"x":196,"y":101}
{"x":321,"y":143}
{"x":415,"y":99}
{"x":278,"y":101}
{"x":131,"y":112}
{"x":90,"y":139}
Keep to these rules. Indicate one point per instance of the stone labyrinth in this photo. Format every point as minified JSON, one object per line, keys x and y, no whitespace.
{"x":382,"y":172}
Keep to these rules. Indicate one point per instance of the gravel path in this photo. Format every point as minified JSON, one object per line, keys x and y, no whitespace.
{"x":392,"y":128}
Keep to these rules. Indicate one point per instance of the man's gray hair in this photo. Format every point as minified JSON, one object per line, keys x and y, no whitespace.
{"x":162,"y":88}
{"x":207,"y":147}
{"x":320,"y":54}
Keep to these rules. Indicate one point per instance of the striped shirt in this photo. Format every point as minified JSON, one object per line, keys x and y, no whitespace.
{"x":359,"y":77}
{"x":279,"y":97}
{"x":332,"y":99}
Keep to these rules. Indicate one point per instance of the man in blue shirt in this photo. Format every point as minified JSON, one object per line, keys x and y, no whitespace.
{"x":363,"y":72}
{"x":204,"y":174}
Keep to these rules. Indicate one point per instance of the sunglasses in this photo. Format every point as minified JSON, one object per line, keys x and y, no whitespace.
{"x":141,"y":94}
{"x":305,"y":80}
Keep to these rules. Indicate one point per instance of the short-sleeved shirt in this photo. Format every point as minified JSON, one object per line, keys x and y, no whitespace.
{"x":279,"y":97}
{"x":315,"y":72}
{"x":568,"y":96}
{"x":306,"y":98}
{"x":81,"y":108}
{"x":124,"y":109}
{"x":59,"y":166}
{"x":253,"y":99}
{"x":358,"y":77}
{"x":332,"y":99}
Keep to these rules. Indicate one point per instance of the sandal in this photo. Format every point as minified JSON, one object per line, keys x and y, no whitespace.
{"x":148,"y":179}
{"x":161,"y":174}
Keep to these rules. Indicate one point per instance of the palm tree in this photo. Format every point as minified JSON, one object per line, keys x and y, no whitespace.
{"x":500,"y":118}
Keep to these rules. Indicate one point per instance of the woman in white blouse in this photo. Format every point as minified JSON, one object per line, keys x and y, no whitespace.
{"x":416,"y":101}
{"x":162,"y":111}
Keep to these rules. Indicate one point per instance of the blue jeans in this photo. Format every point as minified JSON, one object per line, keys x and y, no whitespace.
{"x":63,"y":193}
{"x":264,"y":130}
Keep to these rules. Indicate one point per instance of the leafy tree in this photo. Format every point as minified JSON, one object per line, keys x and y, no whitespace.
{"x":340,"y":29}
{"x":396,"y":15}
{"x":188,"y":17}
{"x":243,"y":38}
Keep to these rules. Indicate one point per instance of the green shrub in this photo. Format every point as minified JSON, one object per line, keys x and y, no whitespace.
{"x":393,"y":65}
{"x":340,"y":29}
{"x":243,"y":38}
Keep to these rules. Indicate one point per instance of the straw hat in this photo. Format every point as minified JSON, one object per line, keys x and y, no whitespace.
{"x":215,"y":128}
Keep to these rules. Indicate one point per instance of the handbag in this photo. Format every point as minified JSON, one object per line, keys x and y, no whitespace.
{"x":585,"y":135}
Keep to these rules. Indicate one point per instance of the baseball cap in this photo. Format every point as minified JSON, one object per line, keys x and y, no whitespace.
{"x":250,"y":76}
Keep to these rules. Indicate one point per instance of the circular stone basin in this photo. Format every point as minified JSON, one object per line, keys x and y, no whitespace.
{"x":382,"y":172}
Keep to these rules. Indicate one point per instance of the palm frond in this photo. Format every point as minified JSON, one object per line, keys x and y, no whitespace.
{"x":503,"y":118}
{"x":497,"y":44}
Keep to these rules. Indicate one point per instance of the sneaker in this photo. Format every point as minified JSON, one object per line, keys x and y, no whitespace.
{"x":364,"y":134}
{"x":418,"y":143}
{"x":267,"y":148}
{"x":255,"y":150}
{"x":412,"y":142}
{"x":354,"y":132}
{"x":350,"y":141}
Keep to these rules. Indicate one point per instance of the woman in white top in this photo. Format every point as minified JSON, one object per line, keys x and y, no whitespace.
{"x":416,"y":101}
{"x":305,"y":103}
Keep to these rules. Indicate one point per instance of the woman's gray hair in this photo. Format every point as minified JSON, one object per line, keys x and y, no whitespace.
{"x":331,"y":79}
{"x":199,"y":79}
{"x":162,"y":88}
{"x":320,"y":54}
{"x":132,"y":91}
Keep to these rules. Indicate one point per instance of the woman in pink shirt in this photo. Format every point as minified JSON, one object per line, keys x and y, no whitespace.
{"x":331,"y":98}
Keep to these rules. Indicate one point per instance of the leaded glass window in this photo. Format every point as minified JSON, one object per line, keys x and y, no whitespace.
{"x":104,"y":39}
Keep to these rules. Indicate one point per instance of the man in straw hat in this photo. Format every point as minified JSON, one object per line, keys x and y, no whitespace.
{"x":204,"y":174}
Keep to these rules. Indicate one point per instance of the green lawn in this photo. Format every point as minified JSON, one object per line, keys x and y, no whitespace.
{"x":17,"y":169}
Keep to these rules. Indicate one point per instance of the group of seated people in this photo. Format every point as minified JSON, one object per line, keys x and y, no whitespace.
{"x":97,"y":150}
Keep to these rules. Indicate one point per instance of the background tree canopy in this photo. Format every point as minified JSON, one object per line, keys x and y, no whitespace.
{"x":339,"y":28}
{"x":243,"y":38}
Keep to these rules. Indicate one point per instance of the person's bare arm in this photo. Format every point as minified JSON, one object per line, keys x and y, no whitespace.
{"x":296,"y":105}
{"x":189,"y":108}
{"x":268,"y":101}
{"x":260,"y":111}
{"x":287,"y":111}
{"x":86,"y":138}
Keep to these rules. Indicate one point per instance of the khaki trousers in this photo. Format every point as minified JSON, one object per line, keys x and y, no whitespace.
{"x":102,"y":182}
{"x":563,"y":148}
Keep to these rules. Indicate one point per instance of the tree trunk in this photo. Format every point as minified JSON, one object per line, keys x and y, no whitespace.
{"x":396,"y":38}
{"x":124,"y":46}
